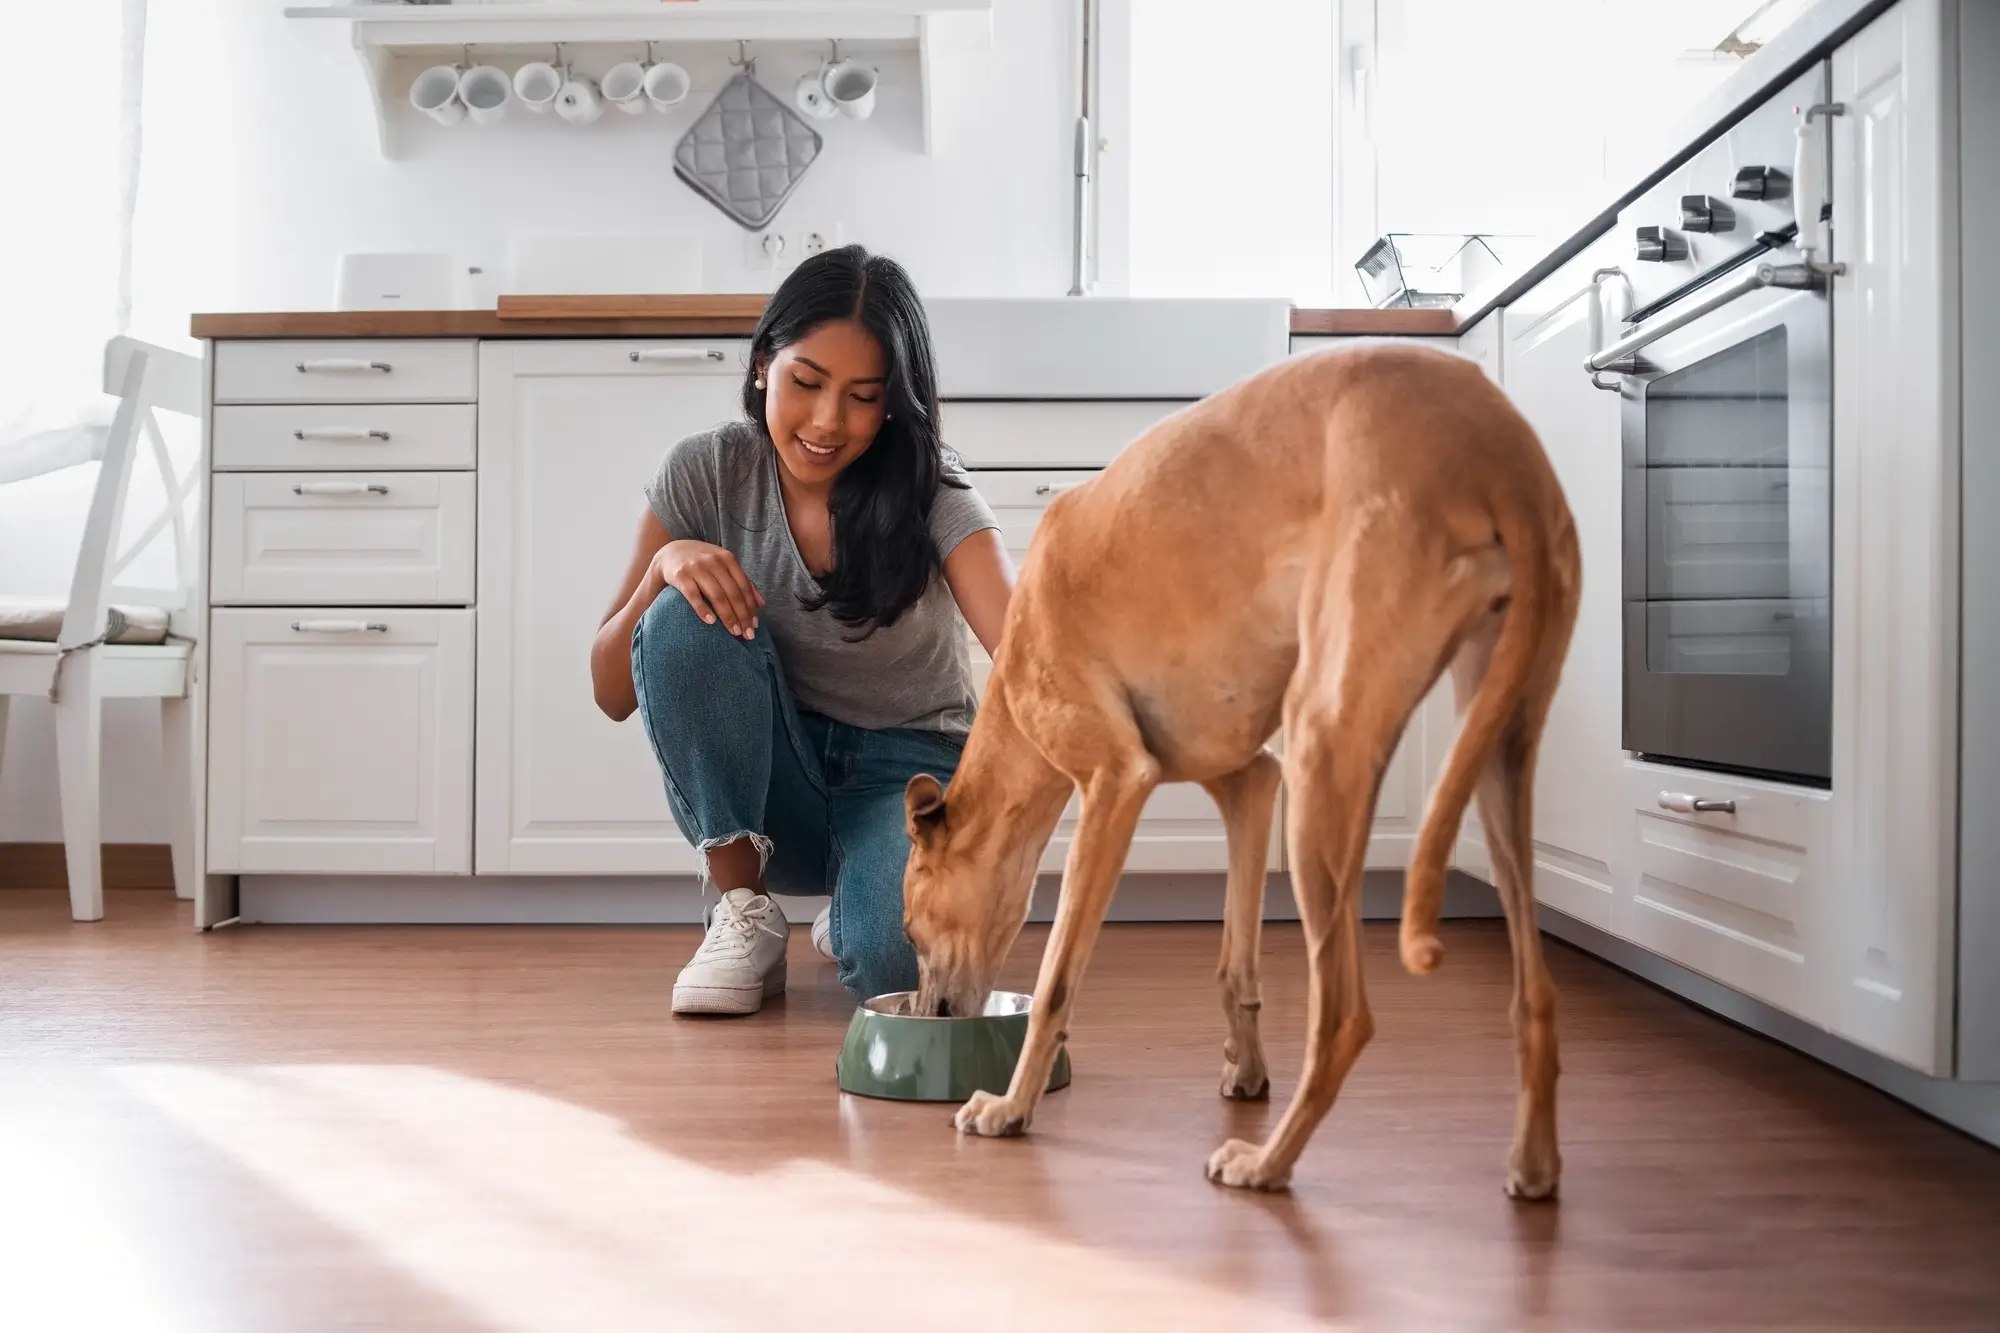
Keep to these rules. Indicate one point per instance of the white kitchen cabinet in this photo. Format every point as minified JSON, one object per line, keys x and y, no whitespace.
{"x":1546,"y":338}
{"x":1889,"y":982}
{"x":569,"y":433}
{"x":340,"y":742}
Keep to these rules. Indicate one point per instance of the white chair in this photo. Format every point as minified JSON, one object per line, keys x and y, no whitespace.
{"x":110,"y":640}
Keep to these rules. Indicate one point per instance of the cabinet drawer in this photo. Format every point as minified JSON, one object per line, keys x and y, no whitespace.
{"x":346,"y":538}
{"x":335,"y":435}
{"x":1060,"y":435}
{"x":340,"y":742}
{"x":346,"y":371}
{"x":1728,"y":893}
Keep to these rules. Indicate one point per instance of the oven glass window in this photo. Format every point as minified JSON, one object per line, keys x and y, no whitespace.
{"x":1734,"y":559}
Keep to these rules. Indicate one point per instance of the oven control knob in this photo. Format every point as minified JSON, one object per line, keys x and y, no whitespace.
{"x":1761,"y":183}
{"x":1660,"y":245}
{"x":1702,"y":212}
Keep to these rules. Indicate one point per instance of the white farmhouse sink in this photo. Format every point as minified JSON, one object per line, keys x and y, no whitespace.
{"x":1103,"y":347}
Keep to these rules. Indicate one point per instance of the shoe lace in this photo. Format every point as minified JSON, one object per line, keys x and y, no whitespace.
{"x":733,"y":927}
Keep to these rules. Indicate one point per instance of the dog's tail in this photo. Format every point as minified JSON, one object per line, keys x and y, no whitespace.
{"x":1532,"y":604}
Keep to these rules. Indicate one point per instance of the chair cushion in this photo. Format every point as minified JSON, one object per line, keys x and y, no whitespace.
{"x":39,"y":620}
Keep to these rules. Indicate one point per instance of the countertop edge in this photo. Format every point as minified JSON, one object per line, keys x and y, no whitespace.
{"x":488,"y":324}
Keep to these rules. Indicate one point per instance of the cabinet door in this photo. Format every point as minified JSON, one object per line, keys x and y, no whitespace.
{"x":340,"y":741}
{"x":1895,"y":450}
{"x":1181,"y":828}
{"x":1547,"y":337}
{"x":569,"y":433}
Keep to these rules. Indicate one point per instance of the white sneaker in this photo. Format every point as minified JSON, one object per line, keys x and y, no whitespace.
{"x":741,"y":960}
{"x":823,"y":933}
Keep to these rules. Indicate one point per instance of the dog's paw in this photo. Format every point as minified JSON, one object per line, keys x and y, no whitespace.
{"x":1245,"y":1080}
{"x":1533,"y":1176}
{"x":1243,"y":1166}
{"x":990,"y":1117}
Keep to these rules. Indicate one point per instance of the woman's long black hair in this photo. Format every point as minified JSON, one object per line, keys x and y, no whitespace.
{"x":883,"y":554}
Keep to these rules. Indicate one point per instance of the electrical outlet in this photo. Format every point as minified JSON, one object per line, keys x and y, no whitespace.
{"x":767,"y":250}
{"x":781,"y":249}
{"x":817,"y":238}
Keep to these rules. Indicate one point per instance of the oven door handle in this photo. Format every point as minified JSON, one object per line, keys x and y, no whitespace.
{"x":1619,"y":355}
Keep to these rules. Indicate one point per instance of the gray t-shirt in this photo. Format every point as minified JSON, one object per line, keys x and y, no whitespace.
{"x":721,"y":487}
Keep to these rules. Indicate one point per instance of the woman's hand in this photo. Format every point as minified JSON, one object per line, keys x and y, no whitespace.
{"x":713,"y":583}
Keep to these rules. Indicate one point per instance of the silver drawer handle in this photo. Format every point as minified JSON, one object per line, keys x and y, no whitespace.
{"x":339,"y":488}
{"x":339,"y":433}
{"x":341,"y":365}
{"x":340,"y":627}
{"x":1682,"y":803}
{"x":1056,"y":487}
{"x":674,"y":354}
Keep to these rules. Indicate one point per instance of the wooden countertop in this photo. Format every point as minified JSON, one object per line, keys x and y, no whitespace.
{"x":620,"y":317}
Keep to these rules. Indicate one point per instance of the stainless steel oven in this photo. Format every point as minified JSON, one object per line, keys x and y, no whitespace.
{"x":1724,"y":368}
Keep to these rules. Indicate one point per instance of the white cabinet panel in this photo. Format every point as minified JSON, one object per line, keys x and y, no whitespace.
{"x":1737,"y":895}
{"x":1576,"y":782}
{"x":340,"y":742}
{"x":569,"y":434}
{"x":346,"y":370}
{"x":347,"y":538}
{"x":1895,"y":586}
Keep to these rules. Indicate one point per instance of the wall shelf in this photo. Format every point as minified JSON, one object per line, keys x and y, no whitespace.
{"x":941,"y":33}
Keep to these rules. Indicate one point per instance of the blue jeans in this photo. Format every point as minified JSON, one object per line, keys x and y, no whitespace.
{"x":822,"y":800}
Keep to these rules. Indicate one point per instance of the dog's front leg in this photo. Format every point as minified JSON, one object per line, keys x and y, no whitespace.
{"x":1111,"y":805}
{"x":1246,"y":799}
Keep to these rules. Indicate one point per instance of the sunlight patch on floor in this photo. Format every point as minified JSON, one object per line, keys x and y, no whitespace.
{"x":532,"y":1213}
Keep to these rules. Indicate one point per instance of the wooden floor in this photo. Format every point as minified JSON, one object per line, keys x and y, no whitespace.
{"x":446,"y":1128}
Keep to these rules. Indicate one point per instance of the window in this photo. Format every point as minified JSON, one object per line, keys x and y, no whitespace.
{"x":1258,"y":147}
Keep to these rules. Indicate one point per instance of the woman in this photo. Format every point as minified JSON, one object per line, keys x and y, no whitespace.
{"x":788,"y":628}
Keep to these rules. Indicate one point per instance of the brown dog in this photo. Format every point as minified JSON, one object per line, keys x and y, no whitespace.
{"x":1313,"y":546}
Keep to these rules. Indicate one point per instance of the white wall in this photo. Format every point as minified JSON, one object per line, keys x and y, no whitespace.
{"x":261,"y":178}
{"x":262,"y":169}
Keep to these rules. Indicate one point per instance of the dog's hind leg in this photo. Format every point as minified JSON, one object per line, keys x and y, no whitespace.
{"x":1247,"y":798}
{"x":1113,"y":796}
{"x":1506,"y":810}
{"x":1350,"y":699}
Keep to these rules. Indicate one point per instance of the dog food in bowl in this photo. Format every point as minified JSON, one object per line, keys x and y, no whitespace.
{"x":894,"y":1053}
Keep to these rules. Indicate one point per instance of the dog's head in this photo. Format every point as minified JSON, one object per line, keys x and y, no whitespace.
{"x":964,"y":901}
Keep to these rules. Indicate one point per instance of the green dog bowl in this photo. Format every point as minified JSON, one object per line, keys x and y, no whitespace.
{"x":891,"y":1052}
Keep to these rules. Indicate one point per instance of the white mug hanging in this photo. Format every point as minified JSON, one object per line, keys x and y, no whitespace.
{"x":624,"y":86}
{"x":667,"y":85}
{"x":851,"y":87}
{"x":810,"y":95}
{"x":485,"y":90}
{"x":435,"y":93}
{"x":578,"y":102}
{"x":536,"y":85}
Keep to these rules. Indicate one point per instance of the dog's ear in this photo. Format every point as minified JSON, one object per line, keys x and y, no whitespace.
{"x":924,"y":800}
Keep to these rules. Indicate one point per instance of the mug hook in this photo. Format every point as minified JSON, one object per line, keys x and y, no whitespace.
{"x":834,"y":44}
{"x":651,"y":58}
{"x":743,"y":59}
{"x":465,"y":55}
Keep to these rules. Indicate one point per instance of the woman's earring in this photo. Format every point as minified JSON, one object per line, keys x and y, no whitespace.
{"x":760,"y":381}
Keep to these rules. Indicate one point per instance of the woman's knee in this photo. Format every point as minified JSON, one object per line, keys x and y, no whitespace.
{"x":675,"y":652}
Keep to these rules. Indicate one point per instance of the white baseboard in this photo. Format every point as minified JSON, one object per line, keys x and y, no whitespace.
{"x":1973,"y":1108}
{"x":676,"y":900}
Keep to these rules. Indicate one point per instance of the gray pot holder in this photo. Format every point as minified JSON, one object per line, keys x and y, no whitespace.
{"x":746,"y":153}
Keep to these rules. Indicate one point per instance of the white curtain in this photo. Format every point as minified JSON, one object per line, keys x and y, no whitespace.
{"x":71,"y":154}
